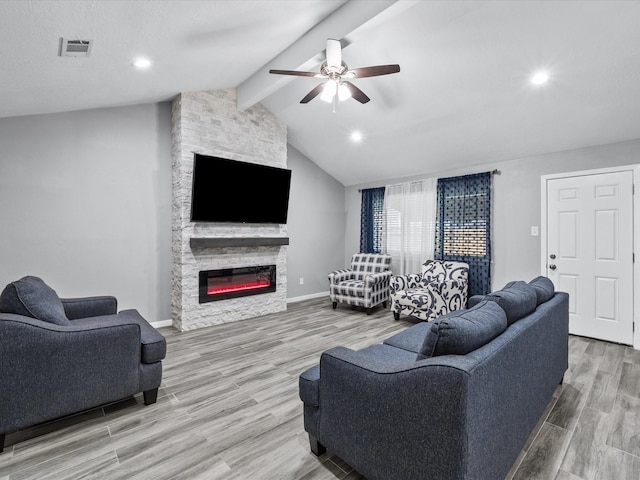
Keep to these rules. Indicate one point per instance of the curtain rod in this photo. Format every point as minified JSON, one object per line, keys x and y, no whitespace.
{"x":492,"y":172}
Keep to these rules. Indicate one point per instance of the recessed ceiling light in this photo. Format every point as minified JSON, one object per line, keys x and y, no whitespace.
{"x":356,"y":136}
{"x":142,"y":63}
{"x":540,"y":78}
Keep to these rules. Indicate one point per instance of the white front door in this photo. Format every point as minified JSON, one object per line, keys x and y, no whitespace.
{"x":590,"y":252}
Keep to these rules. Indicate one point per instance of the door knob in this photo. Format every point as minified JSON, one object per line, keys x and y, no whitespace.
{"x":552,"y":266}
{"x":552,"y":256}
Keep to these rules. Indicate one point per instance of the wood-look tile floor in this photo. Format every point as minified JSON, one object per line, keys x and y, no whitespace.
{"x":229,"y":409}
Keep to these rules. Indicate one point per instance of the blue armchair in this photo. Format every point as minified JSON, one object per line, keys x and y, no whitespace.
{"x":63,"y":356}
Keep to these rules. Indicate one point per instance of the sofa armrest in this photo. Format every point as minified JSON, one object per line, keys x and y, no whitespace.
{"x":309,"y":386}
{"x":338,"y":276}
{"x":455,"y":286}
{"x":84,"y":307}
{"x":381,"y":416}
{"x":48,"y":371}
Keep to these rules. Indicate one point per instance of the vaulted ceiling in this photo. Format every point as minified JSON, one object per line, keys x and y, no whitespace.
{"x":463,"y":96}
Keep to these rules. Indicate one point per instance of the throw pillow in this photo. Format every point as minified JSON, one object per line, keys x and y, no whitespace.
{"x":31,"y":297}
{"x":517,"y":299}
{"x":463,"y":331}
{"x":544,"y":288}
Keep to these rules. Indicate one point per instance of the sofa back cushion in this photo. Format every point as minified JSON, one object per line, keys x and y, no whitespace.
{"x":462,"y":331}
{"x":544,"y":289}
{"x":31,"y":297}
{"x":364,"y":264}
{"x":517,"y":299}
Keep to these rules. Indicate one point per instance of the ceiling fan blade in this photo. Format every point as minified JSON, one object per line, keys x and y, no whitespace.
{"x":313,"y":93}
{"x":297,"y":73}
{"x":372,"y":71}
{"x":334,"y":53}
{"x":356,"y":93}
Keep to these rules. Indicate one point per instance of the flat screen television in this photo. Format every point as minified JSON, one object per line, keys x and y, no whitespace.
{"x":231,"y":191}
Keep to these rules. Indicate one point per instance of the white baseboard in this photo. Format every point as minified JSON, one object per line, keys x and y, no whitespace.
{"x":162,"y":323}
{"x":308,"y":297}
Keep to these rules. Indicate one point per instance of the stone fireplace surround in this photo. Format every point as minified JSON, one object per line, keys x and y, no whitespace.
{"x":210,"y":123}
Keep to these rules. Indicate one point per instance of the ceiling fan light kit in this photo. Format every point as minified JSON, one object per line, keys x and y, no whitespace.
{"x":335,"y":71}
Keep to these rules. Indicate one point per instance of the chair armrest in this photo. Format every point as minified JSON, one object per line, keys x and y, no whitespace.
{"x":448,"y":296}
{"x":402,"y":282}
{"x":375,"y":278}
{"x":338,"y":276}
{"x":456,"y":286}
{"x":84,"y":307}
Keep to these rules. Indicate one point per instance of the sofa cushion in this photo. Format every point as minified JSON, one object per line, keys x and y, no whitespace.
{"x":31,"y":297}
{"x":463,"y":331}
{"x":544,"y":289}
{"x":517,"y":299}
{"x":410,"y":339}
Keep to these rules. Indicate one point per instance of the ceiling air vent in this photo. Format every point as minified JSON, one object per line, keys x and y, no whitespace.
{"x":75,"y":48}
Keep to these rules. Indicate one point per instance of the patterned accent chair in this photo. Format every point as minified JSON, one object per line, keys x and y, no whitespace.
{"x":365,"y":284}
{"x":440,"y":288}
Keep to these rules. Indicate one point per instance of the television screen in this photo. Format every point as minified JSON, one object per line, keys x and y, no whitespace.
{"x":226,"y":190}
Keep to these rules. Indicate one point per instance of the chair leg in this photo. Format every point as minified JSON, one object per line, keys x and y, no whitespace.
{"x":1,"y":442}
{"x":150,"y":396}
{"x":396,"y":316}
{"x":316,"y":447}
{"x":335,"y":304}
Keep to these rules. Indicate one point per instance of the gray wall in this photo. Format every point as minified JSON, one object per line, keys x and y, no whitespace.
{"x":516,"y":203}
{"x":85,"y":203}
{"x":316,"y":226}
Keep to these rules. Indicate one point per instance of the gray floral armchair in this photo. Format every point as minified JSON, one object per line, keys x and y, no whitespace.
{"x":364,"y":284}
{"x":440,"y":288}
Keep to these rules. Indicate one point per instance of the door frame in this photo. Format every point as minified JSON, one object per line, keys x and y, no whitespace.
{"x":635,"y":169}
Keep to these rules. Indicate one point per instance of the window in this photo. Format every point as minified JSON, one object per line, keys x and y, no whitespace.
{"x":409,"y":224}
{"x":463,"y":228}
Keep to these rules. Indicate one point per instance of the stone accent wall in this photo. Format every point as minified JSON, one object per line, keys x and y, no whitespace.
{"x":210,"y":123}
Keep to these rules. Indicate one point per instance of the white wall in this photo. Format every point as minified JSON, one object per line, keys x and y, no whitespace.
{"x":316,"y":226}
{"x":516,"y":203}
{"x":85,"y":203}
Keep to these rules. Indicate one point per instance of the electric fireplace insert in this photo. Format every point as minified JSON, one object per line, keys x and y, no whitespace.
{"x":236,"y":282}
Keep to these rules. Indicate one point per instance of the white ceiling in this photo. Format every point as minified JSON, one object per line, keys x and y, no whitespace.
{"x":462,"y":96}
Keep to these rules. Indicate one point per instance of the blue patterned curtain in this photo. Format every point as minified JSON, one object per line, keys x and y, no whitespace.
{"x":371,"y":218}
{"x":463,"y":226}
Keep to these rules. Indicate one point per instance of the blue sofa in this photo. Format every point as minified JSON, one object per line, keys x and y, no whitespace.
{"x":62,"y":356}
{"x":455,"y":398}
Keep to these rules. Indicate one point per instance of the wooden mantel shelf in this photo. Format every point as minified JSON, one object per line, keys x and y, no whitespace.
{"x":221,"y":242}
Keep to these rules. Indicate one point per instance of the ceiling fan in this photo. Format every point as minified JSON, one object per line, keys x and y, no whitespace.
{"x":338,"y":75}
